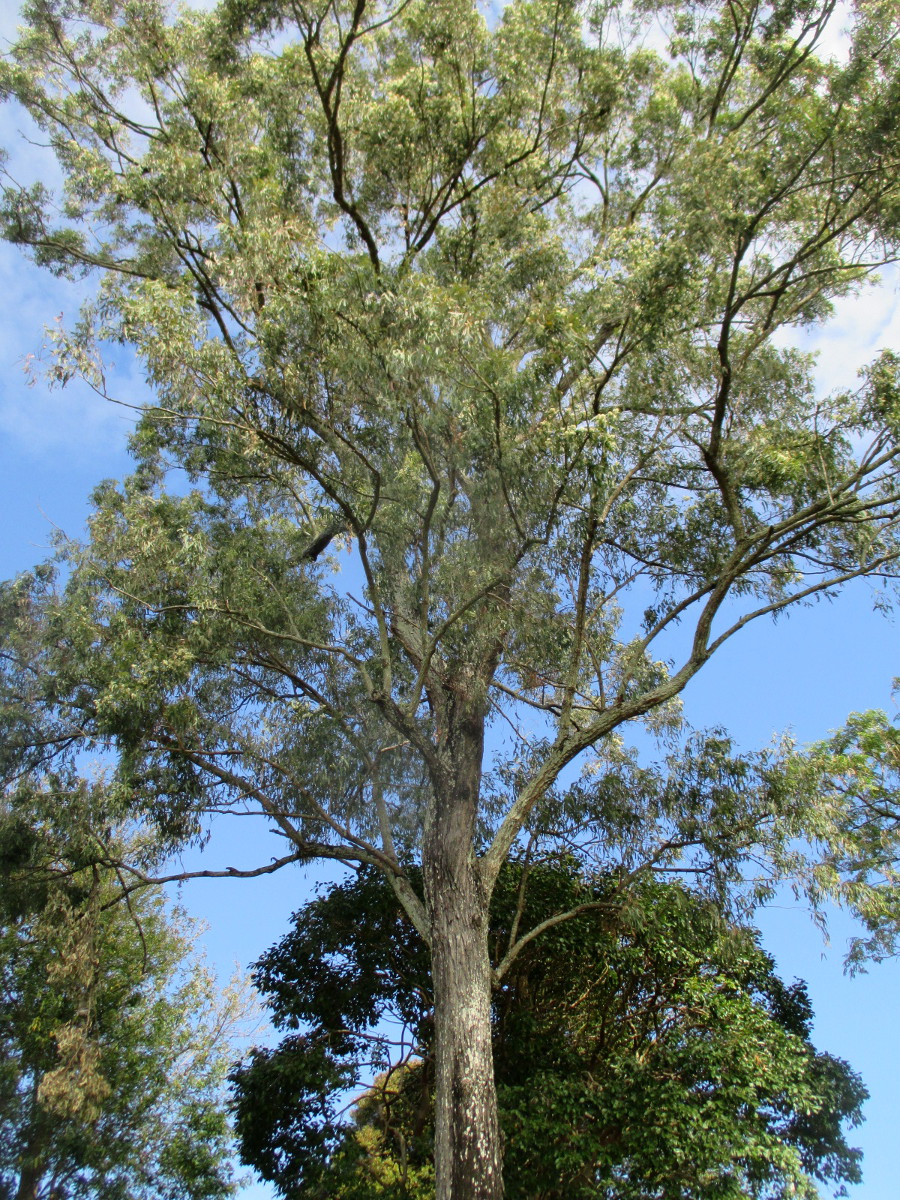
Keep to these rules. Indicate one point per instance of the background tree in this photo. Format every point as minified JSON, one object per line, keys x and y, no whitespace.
{"x":114,"y":1039}
{"x":856,"y":774}
{"x":643,"y":1049}
{"x":463,"y":332}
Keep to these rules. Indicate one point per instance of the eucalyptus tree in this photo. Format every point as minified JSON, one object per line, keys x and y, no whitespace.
{"x":463,"y":326}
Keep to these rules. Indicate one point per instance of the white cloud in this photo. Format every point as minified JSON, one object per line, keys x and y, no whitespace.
{"x":37,"y":420}
{"x":38,"y":425}
{"x":860,"y":327}
{"x":835,"y":41}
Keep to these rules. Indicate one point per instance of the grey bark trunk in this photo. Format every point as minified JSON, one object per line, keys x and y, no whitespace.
{"x":30,"y":1172}
{"x":467,"y":1141}
{"x":468,"y":1164}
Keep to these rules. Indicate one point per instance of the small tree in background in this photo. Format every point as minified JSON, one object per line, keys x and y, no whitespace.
{"x":114,"y":1039}
{"x":643,"y":1049}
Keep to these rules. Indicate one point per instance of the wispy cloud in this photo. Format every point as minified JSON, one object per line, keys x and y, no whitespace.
{"x":38,"y":420}
{"x":38,"y":424}
{"x":859,"y":328}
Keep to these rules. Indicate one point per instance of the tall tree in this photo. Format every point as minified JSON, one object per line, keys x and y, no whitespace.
{"x":646,"y":1048}
{"x":114,"y":1041}
{"x":463,"y":330}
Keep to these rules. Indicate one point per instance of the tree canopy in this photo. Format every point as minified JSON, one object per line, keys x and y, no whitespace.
{"x":476,"y":416}
{"x":645,"y":1050}
{"x":114,"y":1039}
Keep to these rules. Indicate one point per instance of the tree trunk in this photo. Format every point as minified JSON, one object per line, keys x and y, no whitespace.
{"x":467,"y":1141}
{"x":29,"y":1182}
{"x":467,"y":1136}
{"x":31,"y":1169}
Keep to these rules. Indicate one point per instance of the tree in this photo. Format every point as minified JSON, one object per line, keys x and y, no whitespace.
{"x":114,"y":1043}
{"x":645,"y":1048}
{"x":463,"y":330}
{"x":856,"y":772}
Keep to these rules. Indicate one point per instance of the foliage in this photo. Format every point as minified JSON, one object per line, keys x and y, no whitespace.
{"x":470,"y":345}
{"x":856,"y":774}
{"x":526,"y":375}
{"x":114,"y":1041}
{"x":641,"y":1050}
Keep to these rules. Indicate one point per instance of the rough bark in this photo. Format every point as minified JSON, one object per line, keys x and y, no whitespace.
{"x":467,"y":1137}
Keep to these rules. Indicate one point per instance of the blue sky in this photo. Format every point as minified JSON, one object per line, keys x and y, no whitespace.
{"x":805,"y":673}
